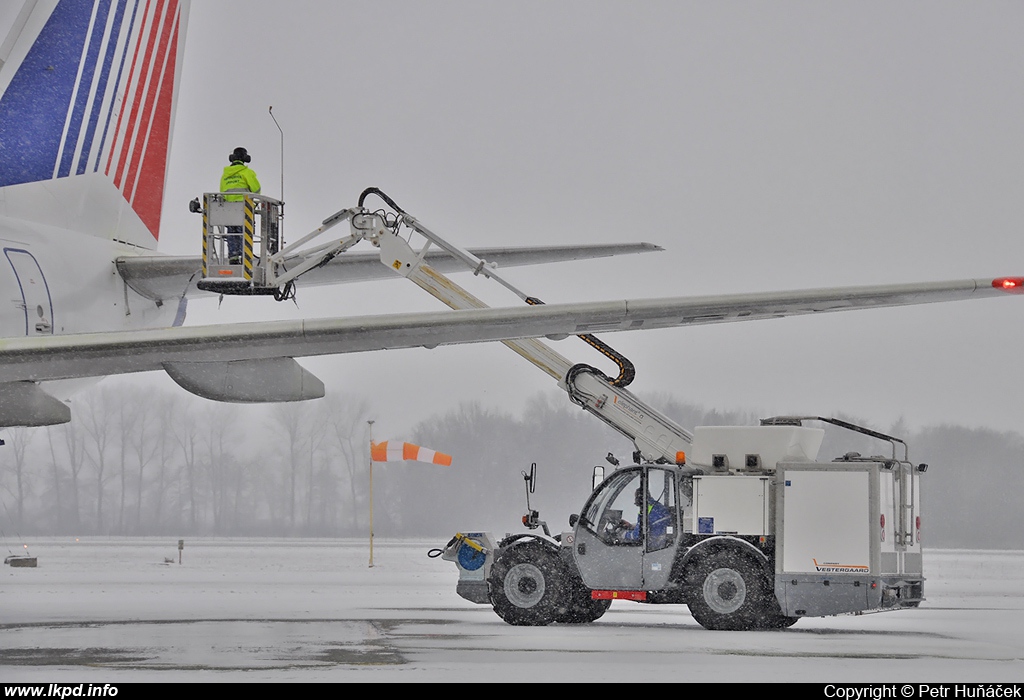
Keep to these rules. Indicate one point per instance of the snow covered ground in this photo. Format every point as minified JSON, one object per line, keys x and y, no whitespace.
{"x":108,"y":610}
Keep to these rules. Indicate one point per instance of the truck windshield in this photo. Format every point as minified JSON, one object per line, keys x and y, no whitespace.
{"x":612,"y":513}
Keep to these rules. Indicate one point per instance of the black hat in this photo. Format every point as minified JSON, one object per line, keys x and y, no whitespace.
{"x":239,"y":154}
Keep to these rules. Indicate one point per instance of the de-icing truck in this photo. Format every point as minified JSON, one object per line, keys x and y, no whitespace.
{"x":750,"y":533}
{"x":739,"y":523}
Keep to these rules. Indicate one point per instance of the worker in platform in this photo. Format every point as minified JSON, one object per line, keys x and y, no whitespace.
{"x":238,"y":177}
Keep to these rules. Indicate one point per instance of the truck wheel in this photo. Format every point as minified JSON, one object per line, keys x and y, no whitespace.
{"x":728,"y":593}
{"x":583,"y":612}
{"x":580,"y":608}
{"x":774,"y":618}
{"x":526,"y":586}
{"x":781,"y":622}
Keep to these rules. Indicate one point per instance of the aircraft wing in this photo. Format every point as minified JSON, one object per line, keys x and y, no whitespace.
{"x":169,"y":277}
{"x":252,"y":361}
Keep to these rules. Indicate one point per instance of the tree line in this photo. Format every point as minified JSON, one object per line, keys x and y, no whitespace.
{"x":139,"y":461}
{"x":145,"y":461}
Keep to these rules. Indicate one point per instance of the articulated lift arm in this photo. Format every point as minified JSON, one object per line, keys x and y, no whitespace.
{"x":244,"y":253}
{"x":656,"y":436}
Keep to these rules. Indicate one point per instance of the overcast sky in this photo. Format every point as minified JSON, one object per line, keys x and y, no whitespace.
{"x":766,"y":146}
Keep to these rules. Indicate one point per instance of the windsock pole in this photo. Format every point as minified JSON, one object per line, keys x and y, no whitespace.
{"x":370,"y":422}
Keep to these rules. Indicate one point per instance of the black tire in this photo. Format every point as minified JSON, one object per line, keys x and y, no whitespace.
{"x":580,"y":608}
{"x":781,"y":622}
{"x":774,"y":618}
{"x":527,"y":586}
{"x":728,"y":593}
{"x":583,"y":612}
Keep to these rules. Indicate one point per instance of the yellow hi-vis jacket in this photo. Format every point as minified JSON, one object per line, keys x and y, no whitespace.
{"x":238,"y":177}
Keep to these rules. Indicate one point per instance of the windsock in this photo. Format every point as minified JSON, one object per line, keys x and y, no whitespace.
{"x":406,"y":451}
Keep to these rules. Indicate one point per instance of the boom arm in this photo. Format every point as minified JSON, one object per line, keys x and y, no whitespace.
{"x":656,"y":436}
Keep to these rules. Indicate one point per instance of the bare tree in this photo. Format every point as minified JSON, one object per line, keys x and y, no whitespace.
{"x":95,"y":413}
{"x":224,"y":443}
{"x":55,"y":474}
{"x":288,"y":420}
{"x":126,"y":424}
{"x":18,"y":440}
{"x":350,"y":439}
{"x":314,"y":444}
{"x":70,"y":438}
{"x":186,"y":436}
{"x":168,"y":410}
{"x":142,"y":440}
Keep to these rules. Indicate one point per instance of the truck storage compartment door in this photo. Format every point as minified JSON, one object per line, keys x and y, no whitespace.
{"x":911,"y":554}
{"x":899,"y":520}
{"x":890,"y":521}
{"x":827,"y":548}
{"x":731,"y":505}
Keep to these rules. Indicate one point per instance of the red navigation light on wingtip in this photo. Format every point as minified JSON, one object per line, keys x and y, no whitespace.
{"x":1014,"y":285}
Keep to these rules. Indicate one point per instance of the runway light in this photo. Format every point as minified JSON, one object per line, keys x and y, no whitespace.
{"x":1013,"y":285}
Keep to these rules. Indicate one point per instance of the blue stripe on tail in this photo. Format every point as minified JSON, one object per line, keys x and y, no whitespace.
{"x":84,"y":86}
{"x":117,"y":82}
{"x":35,"y":104}
{"x":101,"y":89}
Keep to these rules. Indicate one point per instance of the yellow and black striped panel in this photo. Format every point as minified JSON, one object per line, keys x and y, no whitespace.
{"x":247,"y":251}
{"x":206,"y":233}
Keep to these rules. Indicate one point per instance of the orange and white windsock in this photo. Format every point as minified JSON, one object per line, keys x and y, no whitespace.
{"x":406,"y":451}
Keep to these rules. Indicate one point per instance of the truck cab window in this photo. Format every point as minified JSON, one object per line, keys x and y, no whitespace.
{"x":611,"y":513}
{"x":662,"y":509}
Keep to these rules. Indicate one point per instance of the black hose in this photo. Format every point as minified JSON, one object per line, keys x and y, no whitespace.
{"x":435,"y":552}
{"x":627,"y":372}
{"x":390,"y":202}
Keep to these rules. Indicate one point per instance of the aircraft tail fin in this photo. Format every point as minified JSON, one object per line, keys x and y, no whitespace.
{"x":87,"y":98}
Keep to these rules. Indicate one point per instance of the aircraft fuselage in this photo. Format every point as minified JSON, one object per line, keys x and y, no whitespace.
{"x":56,"y":281}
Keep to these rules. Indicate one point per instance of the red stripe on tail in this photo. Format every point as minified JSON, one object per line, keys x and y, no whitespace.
{"x":151,"y":165}
{"x":160,"y":62}
{"x":140,"y":91}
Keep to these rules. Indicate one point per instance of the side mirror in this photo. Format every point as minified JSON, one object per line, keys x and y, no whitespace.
{"x":598,"y":477}
{"x":573,"y":519}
